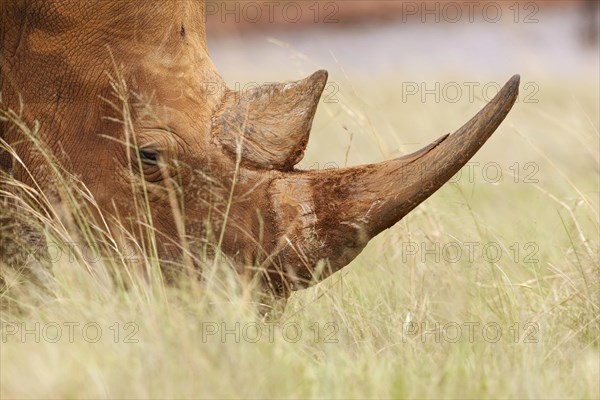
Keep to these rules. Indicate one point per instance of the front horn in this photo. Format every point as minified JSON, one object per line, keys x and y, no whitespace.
{"x":331,"y":215}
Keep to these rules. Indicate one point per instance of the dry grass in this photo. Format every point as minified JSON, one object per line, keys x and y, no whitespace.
{"x":386,"y":326}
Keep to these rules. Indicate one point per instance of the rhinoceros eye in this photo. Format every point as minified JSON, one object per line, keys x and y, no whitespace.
{"x":149,"y":156}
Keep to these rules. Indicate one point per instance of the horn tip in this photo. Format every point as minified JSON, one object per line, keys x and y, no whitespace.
{"x":321,"y":72}
{"x":320,"y":76}
{"x":509,"y":91}
{"x":317,"y":81}
{"x":515,"y":81}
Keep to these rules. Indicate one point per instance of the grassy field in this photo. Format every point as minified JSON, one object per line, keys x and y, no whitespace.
{"x":490,"y":289}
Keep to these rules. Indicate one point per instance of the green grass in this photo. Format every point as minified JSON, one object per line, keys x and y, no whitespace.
{"x":358,"y":336}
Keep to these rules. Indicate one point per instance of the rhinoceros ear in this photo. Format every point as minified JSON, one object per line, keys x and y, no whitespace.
{"x":269,"y":124}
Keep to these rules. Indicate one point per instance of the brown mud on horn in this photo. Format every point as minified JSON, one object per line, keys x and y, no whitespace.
{"x":272,"y":122}
{"x":332,"y":215}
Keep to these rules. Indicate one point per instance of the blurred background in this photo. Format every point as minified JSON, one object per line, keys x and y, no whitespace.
{"x":556,"y":38}
{"x":400,"y":68}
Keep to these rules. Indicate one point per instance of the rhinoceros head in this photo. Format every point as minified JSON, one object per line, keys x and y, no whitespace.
{"x":215,"y":166}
